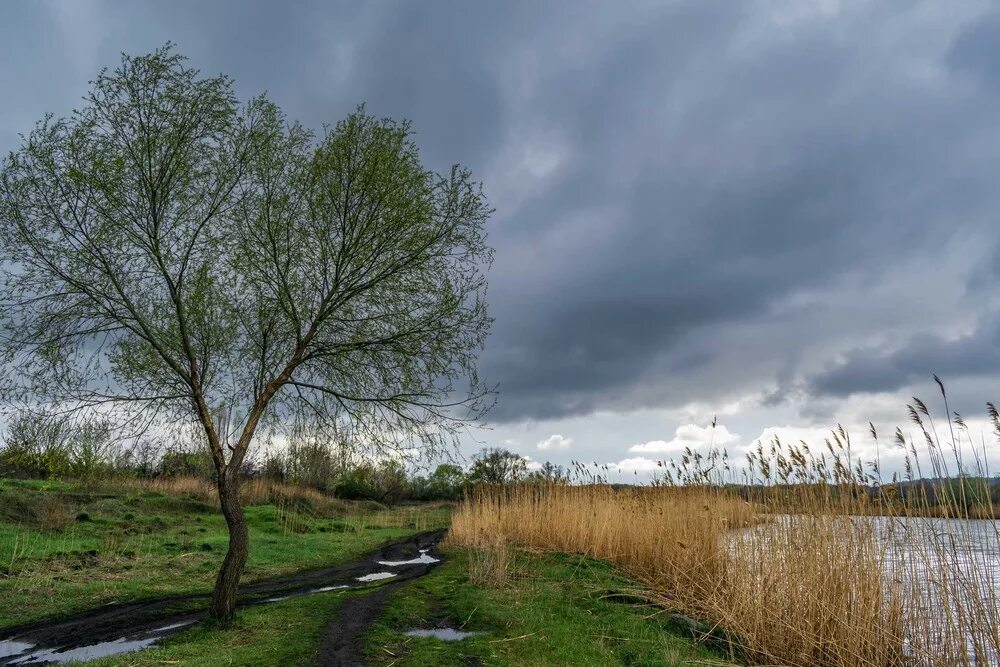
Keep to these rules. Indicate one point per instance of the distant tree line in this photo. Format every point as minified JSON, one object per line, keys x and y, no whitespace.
{"x":52,"y":446}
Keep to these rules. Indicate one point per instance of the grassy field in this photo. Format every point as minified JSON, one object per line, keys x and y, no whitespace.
{"x":65,"y":548}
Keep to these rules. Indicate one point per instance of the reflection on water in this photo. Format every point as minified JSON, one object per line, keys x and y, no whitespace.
{"x":9,"y":648}
{"x":444,"y":634}
{"x":422,"y":559}
{"x":324,"y":589}
{"x":376,"y":576}
{"x":21,"y":653}
{"x":946,"y":572}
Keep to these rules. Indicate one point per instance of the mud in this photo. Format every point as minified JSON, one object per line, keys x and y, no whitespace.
{"x":121,"y":628}
{"x":343,"y":642}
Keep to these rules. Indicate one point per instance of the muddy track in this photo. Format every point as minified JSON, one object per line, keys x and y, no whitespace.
{"x":343,"y":642}
{"x":119,"y":628}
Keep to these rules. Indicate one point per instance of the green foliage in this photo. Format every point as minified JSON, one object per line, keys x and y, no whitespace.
{"x":447,"y":482}
{"x":174,"y":253}
{"x":497,"y":466}
{"x":384,"y":482}
{"x":43,"y":445}
{"x":182,"y":258}
{"x":182,"y":463}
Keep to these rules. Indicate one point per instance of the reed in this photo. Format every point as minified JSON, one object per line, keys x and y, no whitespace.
{"x":252,"y":491}
{"x":808,"y":560}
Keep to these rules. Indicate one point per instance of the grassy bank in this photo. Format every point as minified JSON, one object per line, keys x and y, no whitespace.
{"x":551,"y":609}
{"x":64,"y":547}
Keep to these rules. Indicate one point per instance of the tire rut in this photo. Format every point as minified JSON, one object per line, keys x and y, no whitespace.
{"x":122,"y":628}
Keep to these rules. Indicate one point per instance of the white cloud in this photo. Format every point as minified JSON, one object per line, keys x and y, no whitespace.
{"x":638,"y":464}
{"x":531,"y":465}
{"x":688,"y":435}
{"x":555,"y":441}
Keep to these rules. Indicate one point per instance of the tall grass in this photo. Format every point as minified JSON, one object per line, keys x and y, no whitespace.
{"x":807,"y":561}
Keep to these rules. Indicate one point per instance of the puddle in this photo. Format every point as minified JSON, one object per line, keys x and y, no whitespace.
{"x":9,"y":648}
{"x":376,"y":576}
{"x":20,"y":653}
{"x":311,"y":591}
{"x":422,"y":559}
{"x":329,"y":588}
{"x":444,"y":634}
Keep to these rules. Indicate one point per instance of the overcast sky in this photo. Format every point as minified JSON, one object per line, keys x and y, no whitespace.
{"x":783,"y":213}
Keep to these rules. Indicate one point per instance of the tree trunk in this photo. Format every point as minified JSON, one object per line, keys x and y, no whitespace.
{"x":226,"y":584}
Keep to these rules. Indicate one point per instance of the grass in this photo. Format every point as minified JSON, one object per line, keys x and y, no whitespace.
{"x":64,"y":548}
{"x":553,"y":609}
{"x":281,"y":633}
{"x":811,"y":573}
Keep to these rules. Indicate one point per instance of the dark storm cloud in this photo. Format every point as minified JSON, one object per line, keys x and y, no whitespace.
{"x":667,"y":177}
{"x":871,"y":370}
{"x":976,"y":49}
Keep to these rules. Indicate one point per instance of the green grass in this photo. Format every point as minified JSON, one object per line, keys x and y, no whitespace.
{"x":282,"y":633}
{"x":64,"y":549}
{"x":553,"y":611}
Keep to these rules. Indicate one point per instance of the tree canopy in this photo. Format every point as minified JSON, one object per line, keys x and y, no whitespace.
{"x":166,"y":253}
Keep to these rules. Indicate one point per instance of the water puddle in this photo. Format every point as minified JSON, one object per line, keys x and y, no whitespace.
{"x":21,"y":653}
{"x":10,"y":648}
{"x":422,"y":559}
{"x":376,"y":576}
{"x":311,"y":591}
{"x":325,"y":589}
{"x":444,"y":634}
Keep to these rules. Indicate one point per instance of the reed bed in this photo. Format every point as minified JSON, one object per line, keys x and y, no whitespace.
{"x":252,"y":491}
{"x":809,"y":560}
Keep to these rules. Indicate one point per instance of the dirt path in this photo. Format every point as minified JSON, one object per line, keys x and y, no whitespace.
{"x":121,"y":628}
{"x":344,"y":639}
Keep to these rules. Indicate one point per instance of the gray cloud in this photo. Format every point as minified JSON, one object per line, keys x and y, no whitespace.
{"x":671,"y":181}
{"x":870,"y":370}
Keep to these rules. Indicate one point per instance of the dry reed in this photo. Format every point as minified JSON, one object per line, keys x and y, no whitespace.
{"x":816,"y":569}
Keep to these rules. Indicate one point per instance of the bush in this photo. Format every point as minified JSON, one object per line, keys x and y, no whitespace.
{"x":447,"y":482}
{"x":181,"y":463}
{"x":37,"y":447}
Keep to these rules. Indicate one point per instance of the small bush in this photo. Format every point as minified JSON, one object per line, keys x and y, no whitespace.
{"x":54,"y":515}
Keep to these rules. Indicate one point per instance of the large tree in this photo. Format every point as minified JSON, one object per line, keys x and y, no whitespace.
{"x":167,"y":253}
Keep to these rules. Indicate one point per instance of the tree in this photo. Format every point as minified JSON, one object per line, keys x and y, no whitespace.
{"x":445,"y":483}
{"x":169,"y":254}
{"x":497,"y":466}
{"x":550,"y":473}
{"x":447,"y":480}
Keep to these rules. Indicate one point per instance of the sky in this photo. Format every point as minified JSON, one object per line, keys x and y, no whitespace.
{"x":781,"y":215}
